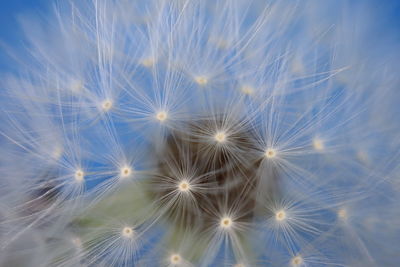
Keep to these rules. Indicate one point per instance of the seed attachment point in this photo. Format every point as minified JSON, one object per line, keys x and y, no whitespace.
{"x":184,"y":186}
{"x":280,"y":215}
{"x":161,"y":116}
{"x":125,"y":172}
{"x":318,"y":144}
{"x":201,"y":80}
{"x":106,"y":105}
{"x":226,"y":222}
{"x":79,"y":175}
{"x":220,"y":137}
{"x":297,"y":261}
{"x":127,"y":232}
{"x":270,"y":153}
{"x":175,"y":259}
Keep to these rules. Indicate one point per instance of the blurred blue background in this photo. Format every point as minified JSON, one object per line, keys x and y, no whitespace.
{"x":386,"y":12}
{"x":10,"y":32}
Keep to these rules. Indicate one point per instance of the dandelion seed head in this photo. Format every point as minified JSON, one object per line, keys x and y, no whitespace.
{"x":205,"y":177}
{"x":225,"y":174}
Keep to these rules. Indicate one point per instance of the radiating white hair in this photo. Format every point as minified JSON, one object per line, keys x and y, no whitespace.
{"x":201,"y":133}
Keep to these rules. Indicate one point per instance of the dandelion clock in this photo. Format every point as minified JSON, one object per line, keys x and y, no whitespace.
{"x":201,"y":133}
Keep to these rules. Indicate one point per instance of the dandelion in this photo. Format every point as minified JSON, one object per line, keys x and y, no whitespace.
{"x":201,"y":133}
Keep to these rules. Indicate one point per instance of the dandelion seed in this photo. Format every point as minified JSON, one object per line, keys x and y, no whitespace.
{"x":184,"y":186}
{"x":318,"y":144}
{"x":125,"y":172}
{"x":57,"y":153}
{"x":297,"y":261}
{"x":161,"y":116}
{"x":106,"y":105}
{"x":201,"y":80}
{"x":280,"y":215}
{"x":270,"y":153}
{"x":219,"y":42}
{"x":363,"y":156}
{"x":148,"y":62}
{"x":175,"y":259}
{"x":77,"y":242}
{"x":127,"y":232}
{"x":79,"y":175}
{"x":247,"y":90}
{"x":342,"y":214}
{"x":76,"y":86}
{"x":220,"y":137}
{"x":226,"y":222}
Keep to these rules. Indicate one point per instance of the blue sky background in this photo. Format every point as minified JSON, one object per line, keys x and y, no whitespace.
{"x":388,"y":12}
{"x":9,"y":27}
{"x":9,"y":10}
{"x":386,"y":27}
